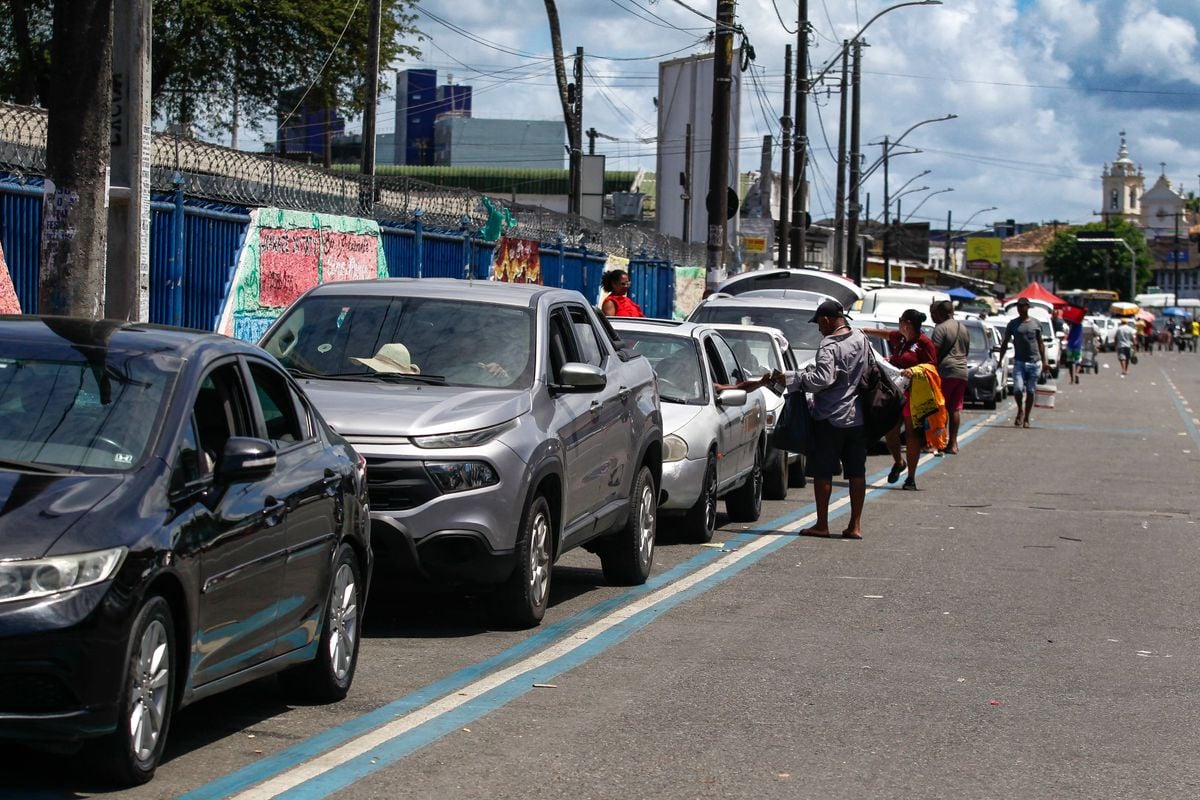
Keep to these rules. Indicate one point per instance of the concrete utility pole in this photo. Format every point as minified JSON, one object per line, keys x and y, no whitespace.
{"x":949,"y":234}
{"x":800,"y":142}
{"x":785,"y":166}
{"x":371,"y":102}
{"x":685,"y":180}
{"x":839,"y":214}
{"x":127,"y":279}
{"x":857,"y":262}
{"x":717,"y":201}
{"x":575,"y":202}
{"x":74,"y":211}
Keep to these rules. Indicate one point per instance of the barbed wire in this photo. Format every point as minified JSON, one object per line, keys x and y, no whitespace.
{"x":212,"y":172}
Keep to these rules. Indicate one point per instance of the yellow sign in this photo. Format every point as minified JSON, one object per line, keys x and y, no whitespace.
{"x":754,"y":244}
{"x":983,"y":249}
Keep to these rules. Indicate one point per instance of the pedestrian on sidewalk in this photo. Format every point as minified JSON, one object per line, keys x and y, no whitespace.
{"x":1074,"y":350}
{"x":952,"y":341}
{"x":907,"y":348}
{"x":837,"y":438}
{"x":1029,"y":359}
{"x":1124,"y":339}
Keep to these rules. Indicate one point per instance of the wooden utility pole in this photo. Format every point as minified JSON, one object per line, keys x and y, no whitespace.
{"x":74,"y":212}
{"x":575,"y":122}
{"x":371,"y":101}
{"x":127,"y":279}
{"x":717,"y":202}
{"x":785,"y":165}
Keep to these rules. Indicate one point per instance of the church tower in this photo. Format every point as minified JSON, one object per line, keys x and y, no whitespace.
{"x":1123,"y":186}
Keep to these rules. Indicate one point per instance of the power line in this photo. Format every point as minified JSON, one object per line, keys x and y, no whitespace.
{"x":328,"y":58}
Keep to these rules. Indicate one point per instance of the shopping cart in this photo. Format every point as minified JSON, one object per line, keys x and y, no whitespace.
{"x":1087,"y":356}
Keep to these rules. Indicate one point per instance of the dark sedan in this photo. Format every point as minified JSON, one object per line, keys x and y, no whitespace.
{"x":983,"y":367}
{"x":175,"y":520}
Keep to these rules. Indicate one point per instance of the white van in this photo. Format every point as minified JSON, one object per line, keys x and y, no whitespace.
{"x":889,"y":303}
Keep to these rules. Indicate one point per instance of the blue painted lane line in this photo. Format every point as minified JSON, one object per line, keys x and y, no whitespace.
{"x":313,"y":768}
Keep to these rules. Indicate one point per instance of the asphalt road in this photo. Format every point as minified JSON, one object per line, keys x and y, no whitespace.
{"x":1022,"y":627}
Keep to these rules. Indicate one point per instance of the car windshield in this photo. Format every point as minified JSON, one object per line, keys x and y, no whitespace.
{"x":754,"y":351}
{"x":406,"y":339}
{"x":794,"y":322}
{"x":80,"y":408}
{"x":978,"y":340}
{"x":676,"y":363}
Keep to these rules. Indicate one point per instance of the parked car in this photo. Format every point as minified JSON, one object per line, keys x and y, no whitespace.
{"x":985,"y":381}
{"x":787,"y":314}
{"x":998,"y":324}
{"x":808,"y":280}
{"x":715,"y":442}
{"x":888,"y":303}
{"x":178,"y":520}
{"x":1106,"y":332}
{"x":502,"y":425}
{"x":760,"y":350}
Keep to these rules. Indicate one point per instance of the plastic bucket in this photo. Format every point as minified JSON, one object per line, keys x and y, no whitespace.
{"x":1044,"y":398}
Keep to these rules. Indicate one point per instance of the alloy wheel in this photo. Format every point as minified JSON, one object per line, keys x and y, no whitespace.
{"x":539,"y":560}
{"x":343,"y":621}
{"x":646,"y":525}
{"x":149,"y":692}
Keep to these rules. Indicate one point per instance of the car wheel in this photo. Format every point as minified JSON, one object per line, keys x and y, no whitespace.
{"x":701,"y":519}
{"x":775,"y":476}
{"x":796,"y":477}
{"x":130,"y":754}
{"x":327,"y":677}
{"x":628,"y":557}
{"x":745,"y":503}
{"x":524,"y":596}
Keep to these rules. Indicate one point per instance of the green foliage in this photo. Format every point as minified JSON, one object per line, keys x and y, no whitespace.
{"x":1074,"y":267}
{"x":1013,"y":278}
{"x":206,"y":53}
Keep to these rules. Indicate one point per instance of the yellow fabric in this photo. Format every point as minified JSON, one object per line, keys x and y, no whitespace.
{"x":926,"y":401}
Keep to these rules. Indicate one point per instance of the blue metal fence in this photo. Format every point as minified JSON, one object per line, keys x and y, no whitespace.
{"x":21,"y":235}
{"x":652,"y":286}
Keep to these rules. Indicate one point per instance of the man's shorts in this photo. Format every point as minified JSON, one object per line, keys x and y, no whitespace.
{"x":1025,"y":376}
{"x":953,"y":389}
{"x":1073,"y":355}
{"x":832,"y":450}
{"x":1123,"y":353}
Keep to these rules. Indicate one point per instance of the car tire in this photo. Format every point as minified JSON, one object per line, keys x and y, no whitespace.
{"x":700,"y":521}
{"x":327,"y":678}
{"x":629,"y":554}
{"x":524,"y":596}
{"x":775,"y":475}
{"x":744,"y":504}
{"x":129,"y":755}
{"x":797,"y":478}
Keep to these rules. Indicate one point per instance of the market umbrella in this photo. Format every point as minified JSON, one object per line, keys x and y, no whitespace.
{"x":1174,"y":311}
{"x":959,"y":293}
{"x":1144,"y":315}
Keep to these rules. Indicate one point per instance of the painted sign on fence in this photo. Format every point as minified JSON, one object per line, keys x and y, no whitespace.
{"x":9,"y":302}
{"x":287,"y":253}
{"x":517,"y":261}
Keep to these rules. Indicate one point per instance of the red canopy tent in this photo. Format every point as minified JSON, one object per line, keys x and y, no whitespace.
{"x":1034,"y":291}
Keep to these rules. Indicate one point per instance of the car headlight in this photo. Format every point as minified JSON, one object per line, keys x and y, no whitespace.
{"x":461,"y":476}
{"x":26,"y":580}
{"x":674,"y":448}
{"x":465,"y":439}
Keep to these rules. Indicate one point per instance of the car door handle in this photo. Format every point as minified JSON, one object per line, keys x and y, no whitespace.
{"x":274,"y":507}
{"x":624,"y":393}
{"x":332,"y":477}
{"x":595,"y":406}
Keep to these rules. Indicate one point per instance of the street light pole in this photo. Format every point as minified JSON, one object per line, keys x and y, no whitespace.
{"x":923,"y":199}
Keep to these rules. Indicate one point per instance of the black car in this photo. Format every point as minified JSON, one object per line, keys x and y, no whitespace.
{"x":983,"y":366}
{"x":175,"y":520}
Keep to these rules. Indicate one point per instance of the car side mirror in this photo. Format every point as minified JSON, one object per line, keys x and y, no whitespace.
{"x":245,"y":459}
{"x":732,"y":397}
{"x":578,"y":377}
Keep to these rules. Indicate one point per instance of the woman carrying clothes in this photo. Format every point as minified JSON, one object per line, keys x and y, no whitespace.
{"x":907,"y":347}
{"x":618,"y":304}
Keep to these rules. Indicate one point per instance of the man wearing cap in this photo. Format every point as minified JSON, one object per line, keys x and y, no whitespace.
{"x":837,"y":438}
{"x":1029,"y":359}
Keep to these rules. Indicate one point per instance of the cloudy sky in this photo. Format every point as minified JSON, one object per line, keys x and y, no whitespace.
{"x":1041,"y":88}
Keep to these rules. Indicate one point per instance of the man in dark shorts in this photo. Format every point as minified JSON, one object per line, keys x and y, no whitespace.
{"x":837,"y":438}
{"x":1029,"y":359}
{"x":952,"y":342}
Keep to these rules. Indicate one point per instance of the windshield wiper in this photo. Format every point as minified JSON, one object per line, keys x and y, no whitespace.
{"x":10,"y":463}
{"x":434,"y":380}
{"x":296,"y":372}
{"x":668,"y":398}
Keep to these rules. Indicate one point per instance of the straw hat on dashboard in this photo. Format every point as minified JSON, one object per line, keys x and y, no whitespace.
{"x":392,"y":357}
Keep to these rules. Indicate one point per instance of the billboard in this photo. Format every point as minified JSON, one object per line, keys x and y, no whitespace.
{"x":983,"y":252}
{"x":685,"y":88}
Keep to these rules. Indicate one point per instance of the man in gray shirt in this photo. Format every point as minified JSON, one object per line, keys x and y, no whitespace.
{"x":952,"y":342}
{"x":1029,"y":359}
{"x":1124,"y":344}
{"x":837,"y":438}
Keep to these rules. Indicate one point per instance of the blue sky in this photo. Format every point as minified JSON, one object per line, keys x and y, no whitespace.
{"x":1041,"y":88}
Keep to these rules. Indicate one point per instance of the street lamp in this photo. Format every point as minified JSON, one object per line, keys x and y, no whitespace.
{"x":923,"y":199}
{"x":800,"y":141}
{"x":950,"y":235}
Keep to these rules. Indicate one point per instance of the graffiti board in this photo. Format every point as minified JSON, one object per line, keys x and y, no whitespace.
{"x":517,"y":261}
{"x":9,"y":302}
{"x":287,"y":253}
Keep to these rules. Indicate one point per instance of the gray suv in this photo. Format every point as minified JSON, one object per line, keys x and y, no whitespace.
{"x":502,"y":426}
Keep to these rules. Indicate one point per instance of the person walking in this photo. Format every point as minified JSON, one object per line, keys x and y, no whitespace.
{"x":1029,"y":359}
{"x":618,"y":303}
{"x":952,"y":341}
{"x":1123,"y":340}
{"x":907,"y":348}
{"x":1074,"y":350}
{"x":837,"y":438}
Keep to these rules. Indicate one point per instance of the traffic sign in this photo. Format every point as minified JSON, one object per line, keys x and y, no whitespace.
{"x":1177,"y":256}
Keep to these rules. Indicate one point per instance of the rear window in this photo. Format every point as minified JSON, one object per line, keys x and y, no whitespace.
{"x":801,"y":334}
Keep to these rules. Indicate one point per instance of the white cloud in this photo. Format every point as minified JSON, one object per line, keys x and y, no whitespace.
{"x":1155,"y":44}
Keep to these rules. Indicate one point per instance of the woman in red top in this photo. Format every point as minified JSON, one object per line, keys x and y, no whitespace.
{"x":618,"y":304}
{"x":908,"y":347}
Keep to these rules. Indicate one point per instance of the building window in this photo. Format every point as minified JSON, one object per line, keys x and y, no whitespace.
{"x":1115,"y":200}
{"x":1133,"y":197}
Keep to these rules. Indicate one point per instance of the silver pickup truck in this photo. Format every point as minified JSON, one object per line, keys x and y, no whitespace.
{"x":502,"y":425}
